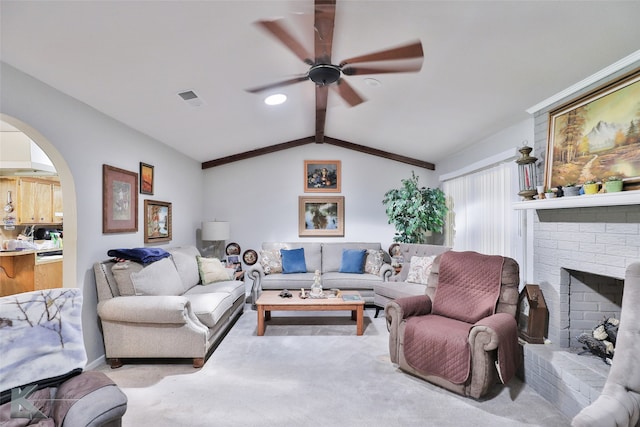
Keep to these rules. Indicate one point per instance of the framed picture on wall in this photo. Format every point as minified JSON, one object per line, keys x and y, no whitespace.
{"x":157,"y":221}
{"x":321,"y":216}
{"x":322,"y":176}
{"x":119,"y":200}
{"x":597,"y":137}
{"x":146,"y":179}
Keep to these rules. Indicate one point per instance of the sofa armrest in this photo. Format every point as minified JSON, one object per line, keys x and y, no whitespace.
{"x":256,"y":273}
{"x":396,"y":312}
{"x":386,"y":272}
{"x":496,"y":332}
{"x":146,"y":309}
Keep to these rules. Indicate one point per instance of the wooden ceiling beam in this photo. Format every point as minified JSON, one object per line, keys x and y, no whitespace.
{"x":379,"y":153}
{"x":257,"y":152}
{"x":313,"y":139}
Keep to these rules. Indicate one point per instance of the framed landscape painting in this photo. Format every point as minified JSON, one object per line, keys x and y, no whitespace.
{"x":119,"y":200}
{"x":322,"y":176}
{"x":146,"y":179}
{"x":597,"y":137}
{"x":321,"y":216}
{"x":157,"y":221}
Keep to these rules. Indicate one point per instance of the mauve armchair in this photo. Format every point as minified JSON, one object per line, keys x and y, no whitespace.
{"x":454,"y":335}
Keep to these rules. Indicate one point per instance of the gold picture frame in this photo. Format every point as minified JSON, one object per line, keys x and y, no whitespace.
{"x":119,"y":200}
{"x":597,"y":136}
{"x":157,"y":221}
{"x":321,"y":216}
{"x":322,"y":176}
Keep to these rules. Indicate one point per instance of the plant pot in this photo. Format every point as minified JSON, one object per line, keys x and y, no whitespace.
{"x":571,"y":191}
{"x":590,"y":188}
{"x":550,"y":195}
{"x":613,"y":186}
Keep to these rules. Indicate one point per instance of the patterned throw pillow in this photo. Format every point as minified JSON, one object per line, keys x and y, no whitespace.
{"x":271,"y":261}
{"x":419,"y":269}
{"x":375,"y":259}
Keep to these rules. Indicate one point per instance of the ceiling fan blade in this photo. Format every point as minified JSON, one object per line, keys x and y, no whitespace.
{"x":347,"y":93}
{"x":412,"y":50}
{"x":355,"y":71}
{"x":278,"y":84}
{"x":322,"y":93}
{"x":276,"y":29}
{"x":324,"y":19}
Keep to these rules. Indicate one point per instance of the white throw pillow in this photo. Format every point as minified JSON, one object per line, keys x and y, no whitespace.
{"x":419,"y":269}
{"x":158,"y":278}
{"x":271,"y":261}
{"x":122,"y":271}
{"x":212,"y":270}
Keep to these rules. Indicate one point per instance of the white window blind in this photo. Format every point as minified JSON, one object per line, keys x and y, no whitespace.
{"x":480,"y":216}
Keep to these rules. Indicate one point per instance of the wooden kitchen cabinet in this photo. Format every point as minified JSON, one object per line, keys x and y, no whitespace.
{"x":48,"y":274}
{"x":35,"y":200}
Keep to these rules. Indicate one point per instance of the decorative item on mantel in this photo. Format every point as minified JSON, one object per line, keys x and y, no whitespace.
{"x":527,"y":172}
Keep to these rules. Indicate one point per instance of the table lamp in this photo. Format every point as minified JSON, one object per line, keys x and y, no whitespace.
{"x":215,"y":231}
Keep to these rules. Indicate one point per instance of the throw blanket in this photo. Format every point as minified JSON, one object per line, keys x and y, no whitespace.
{"x":40,"y":337}
{"x":468,"y":290}
{"x":142,"y":255}
{"x":505,"y":326}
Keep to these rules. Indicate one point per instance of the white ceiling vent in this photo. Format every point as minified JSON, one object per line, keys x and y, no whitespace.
{"x":191,"y":98}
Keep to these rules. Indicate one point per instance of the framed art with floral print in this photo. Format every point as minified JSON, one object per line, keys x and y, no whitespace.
{"x":597,"y":136}
{"x":146,"y":179}
{"x":322,"y":176}
{"x":119,"y":200}
{"x":321,"y":216}
{"x":157,"y":221}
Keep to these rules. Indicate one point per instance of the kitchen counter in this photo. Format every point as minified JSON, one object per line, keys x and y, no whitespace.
{"x":26,"y":270}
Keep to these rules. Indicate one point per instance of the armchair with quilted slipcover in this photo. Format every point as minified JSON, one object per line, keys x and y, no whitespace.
{"x":462,"y":335}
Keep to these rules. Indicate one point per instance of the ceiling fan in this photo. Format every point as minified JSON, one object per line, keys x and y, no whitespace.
{"x":324,"y":73}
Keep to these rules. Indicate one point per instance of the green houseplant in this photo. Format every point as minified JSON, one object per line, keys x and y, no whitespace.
{"x":590,"y":187}
{"x":414,"y":210}
{"x":570,"y":189}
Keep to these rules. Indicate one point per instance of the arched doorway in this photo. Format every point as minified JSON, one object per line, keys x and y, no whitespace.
{"x":69,"y":198}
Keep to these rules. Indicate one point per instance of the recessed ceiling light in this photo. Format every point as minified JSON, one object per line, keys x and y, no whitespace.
{"x":276,"y":99}
{"x":372,"y":82}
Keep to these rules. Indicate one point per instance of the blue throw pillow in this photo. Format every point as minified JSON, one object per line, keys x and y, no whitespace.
{"x":353,"y":260}
{"x":293,"y":261}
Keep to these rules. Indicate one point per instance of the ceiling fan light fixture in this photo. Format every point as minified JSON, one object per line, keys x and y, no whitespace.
{"x":275,"y":99}
{"x":324,"y":74}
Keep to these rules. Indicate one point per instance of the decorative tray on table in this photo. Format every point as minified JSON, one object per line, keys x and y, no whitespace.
{"x":332,"y":293}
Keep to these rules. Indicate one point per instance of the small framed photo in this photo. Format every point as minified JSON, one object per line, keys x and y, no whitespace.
{"x":322,"y":176}
{"x":233,"y":259}
{"x":157,"y":221}
{"x":321,"y":216}
{"x":119,"y":200}
{"x":232,"y":249}
{"x":146,"y":179}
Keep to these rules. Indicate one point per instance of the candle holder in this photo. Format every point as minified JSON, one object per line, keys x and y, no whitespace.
{"x":527,"y":173}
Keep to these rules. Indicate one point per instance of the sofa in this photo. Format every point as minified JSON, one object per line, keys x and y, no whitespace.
{"x":402,"y":284}
{"x":619,"y":403}
{"x":166,"y":309}
{"x":46,"y":384}
{"x":268,"y":273}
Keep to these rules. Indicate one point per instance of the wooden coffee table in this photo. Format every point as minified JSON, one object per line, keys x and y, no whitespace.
{"x":271,"y":301}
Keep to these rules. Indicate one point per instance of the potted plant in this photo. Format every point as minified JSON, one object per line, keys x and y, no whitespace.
{"x":415,"y":210}
{"x":549,"y":194}
{"x":570,"y":189}
{"x":590,"y":187}
{"x":613,"y":184}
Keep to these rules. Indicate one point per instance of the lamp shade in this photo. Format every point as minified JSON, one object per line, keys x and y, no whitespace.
{"x":215,"y":230}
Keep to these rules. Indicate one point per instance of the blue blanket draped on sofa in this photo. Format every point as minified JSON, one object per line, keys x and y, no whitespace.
{"x":141,"y":255}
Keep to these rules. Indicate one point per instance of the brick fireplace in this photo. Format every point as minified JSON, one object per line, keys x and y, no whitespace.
{"x":579,"y":260}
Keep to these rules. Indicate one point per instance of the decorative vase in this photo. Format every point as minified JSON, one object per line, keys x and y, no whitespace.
{"x":590,"y":188}
{"x":613,"y":186}
{"x":550,"y":195}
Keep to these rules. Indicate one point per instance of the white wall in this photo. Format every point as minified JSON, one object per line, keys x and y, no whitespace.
{"x":79,"y":140}
{"x":259,"y":196}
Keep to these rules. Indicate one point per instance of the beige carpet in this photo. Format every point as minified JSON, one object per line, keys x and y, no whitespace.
{"x":311,"y":371}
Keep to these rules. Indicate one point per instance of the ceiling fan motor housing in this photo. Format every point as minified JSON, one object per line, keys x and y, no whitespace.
{"x":324,"y":74}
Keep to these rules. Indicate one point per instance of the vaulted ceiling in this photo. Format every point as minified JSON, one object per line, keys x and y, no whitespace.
{"x":485,"y":63}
